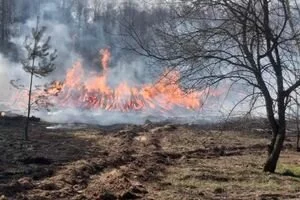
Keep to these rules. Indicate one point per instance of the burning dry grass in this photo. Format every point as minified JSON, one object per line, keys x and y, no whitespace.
{"x":141,"y":162}
{"x":82,"y":89}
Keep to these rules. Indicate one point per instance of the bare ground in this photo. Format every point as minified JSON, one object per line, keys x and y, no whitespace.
{"x":141,"y":162}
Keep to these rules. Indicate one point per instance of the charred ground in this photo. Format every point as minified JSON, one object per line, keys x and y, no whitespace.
{"x":153,"y":161}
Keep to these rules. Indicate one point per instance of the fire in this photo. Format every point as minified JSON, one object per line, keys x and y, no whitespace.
{"x":106,"y":55}
{"x":92,"y":91}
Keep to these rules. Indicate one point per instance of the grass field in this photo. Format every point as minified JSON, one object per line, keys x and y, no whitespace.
{"x":142,"y":162}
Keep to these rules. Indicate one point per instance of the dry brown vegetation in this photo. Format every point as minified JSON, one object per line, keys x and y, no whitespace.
{"x":142,"y":162}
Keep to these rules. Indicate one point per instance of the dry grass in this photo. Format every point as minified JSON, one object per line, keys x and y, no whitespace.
{"x":182,"y":163}
{"x":238,"y":177}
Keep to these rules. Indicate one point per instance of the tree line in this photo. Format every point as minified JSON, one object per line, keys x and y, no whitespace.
{"x":92,"y":24}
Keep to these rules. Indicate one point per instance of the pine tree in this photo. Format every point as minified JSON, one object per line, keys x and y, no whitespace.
{"x":39,"y":61}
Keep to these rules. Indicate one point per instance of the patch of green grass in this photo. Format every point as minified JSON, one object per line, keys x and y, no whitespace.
{"x":289,"y":170}
{"x":205,"y":181}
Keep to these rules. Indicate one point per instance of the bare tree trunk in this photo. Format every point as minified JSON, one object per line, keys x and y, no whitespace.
{"x":271,"y":163}
{"x":279,"y":135}
{"x":29,"y":107}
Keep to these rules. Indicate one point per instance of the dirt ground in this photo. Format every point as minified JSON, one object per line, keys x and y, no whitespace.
{"x":141,"y":162}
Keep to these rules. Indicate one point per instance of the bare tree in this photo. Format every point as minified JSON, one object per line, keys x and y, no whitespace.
{"x":249,"y":42}
{"x":39,"y":61}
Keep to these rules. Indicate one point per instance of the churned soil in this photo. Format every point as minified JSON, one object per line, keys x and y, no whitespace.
{"x":152,"y":161}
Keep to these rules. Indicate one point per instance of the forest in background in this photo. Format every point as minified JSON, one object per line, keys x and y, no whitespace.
{"x":92,"y":24}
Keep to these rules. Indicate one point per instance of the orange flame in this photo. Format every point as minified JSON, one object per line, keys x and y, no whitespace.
{"x":106,"y":55}
{"x":90,"y":91}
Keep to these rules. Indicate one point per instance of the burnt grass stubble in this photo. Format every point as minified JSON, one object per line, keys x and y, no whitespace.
{"x":129,"y":161}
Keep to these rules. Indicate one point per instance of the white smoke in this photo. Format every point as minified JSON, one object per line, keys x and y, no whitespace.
{"x":6,"y":71}
{"x":134,"y":73}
